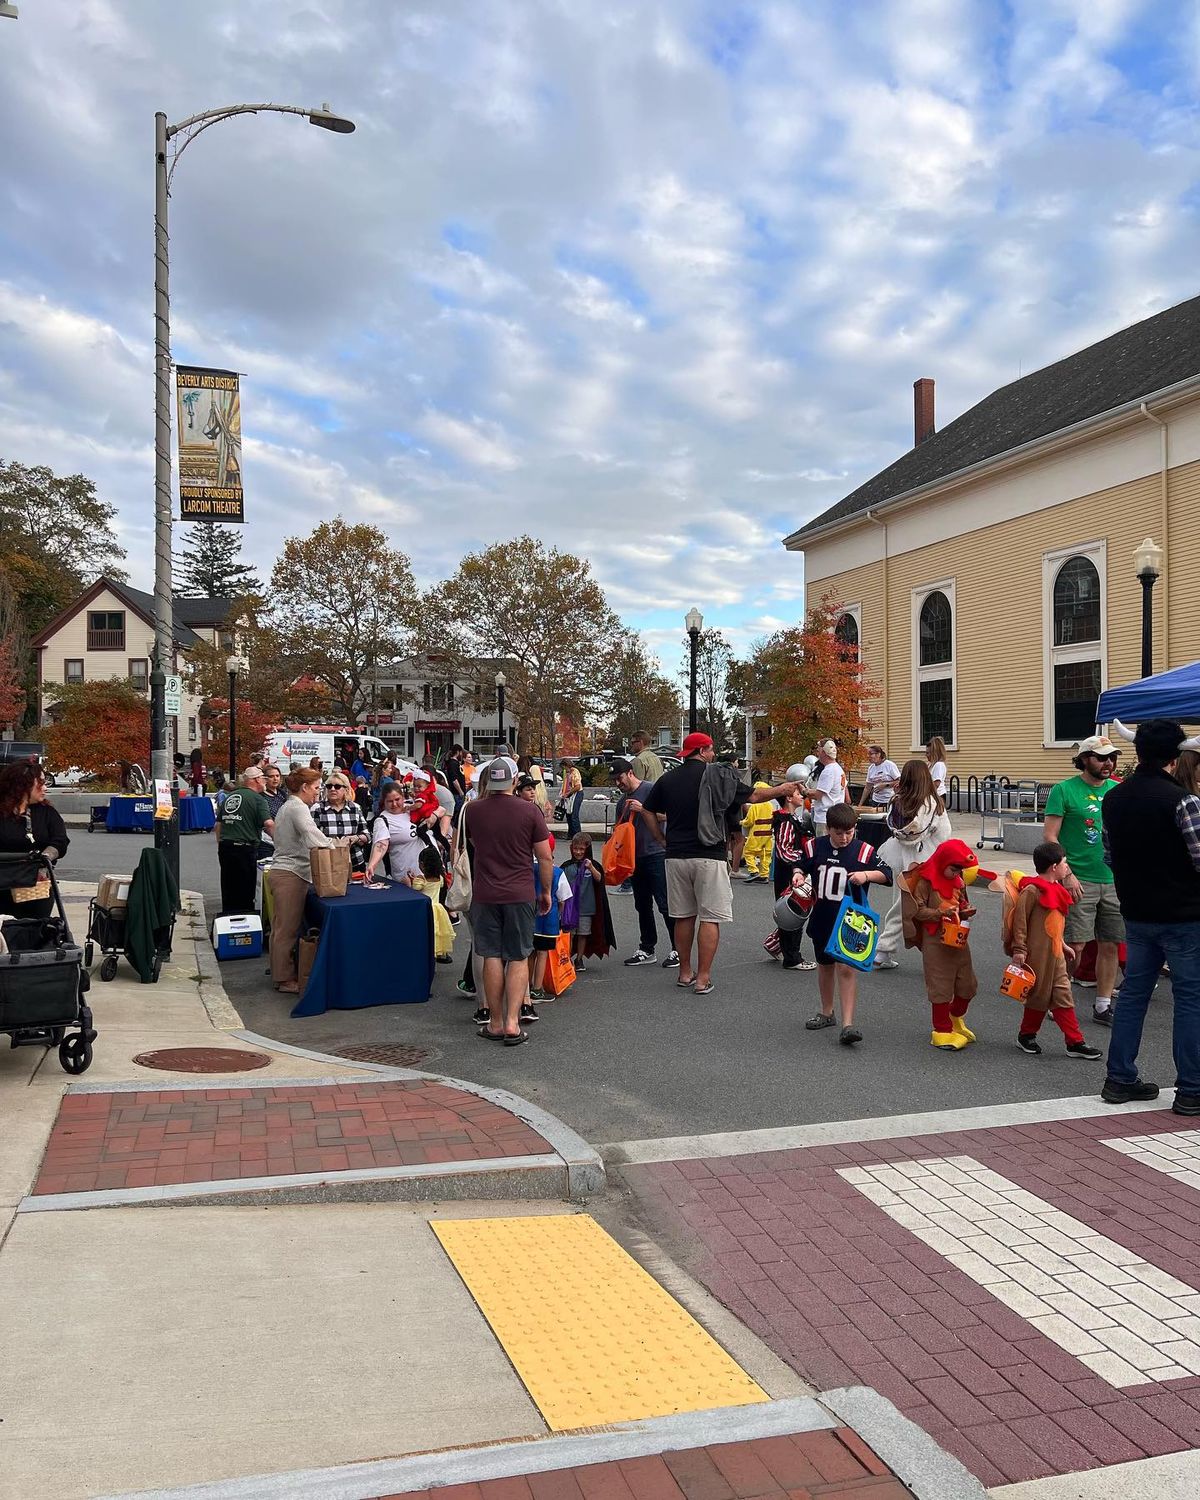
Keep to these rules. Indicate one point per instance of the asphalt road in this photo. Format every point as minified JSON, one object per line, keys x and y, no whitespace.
{"x":626,"y":1054}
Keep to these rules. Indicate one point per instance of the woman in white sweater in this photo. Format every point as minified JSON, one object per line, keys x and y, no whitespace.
{"x":918,"y":822}
{"x":291,"y":873}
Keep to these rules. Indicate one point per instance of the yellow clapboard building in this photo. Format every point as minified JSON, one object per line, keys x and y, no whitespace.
{"x":988,"y":576}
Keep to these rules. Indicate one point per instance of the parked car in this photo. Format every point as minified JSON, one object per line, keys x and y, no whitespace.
{"x":21,"y":750}
{"x":72,"y":776}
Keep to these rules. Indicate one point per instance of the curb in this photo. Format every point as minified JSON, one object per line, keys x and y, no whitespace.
{"x":584,"y":1168}
{"x":212,"y":990}
{"x":913,"y":1456}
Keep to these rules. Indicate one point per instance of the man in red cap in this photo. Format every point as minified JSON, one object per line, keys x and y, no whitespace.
{"x":699,"y":895}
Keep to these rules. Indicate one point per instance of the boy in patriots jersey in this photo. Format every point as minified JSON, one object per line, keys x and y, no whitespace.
{"x":836,"y":862}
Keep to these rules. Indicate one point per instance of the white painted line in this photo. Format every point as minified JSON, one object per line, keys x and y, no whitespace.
{"x":1104,"y":1323}
{"x":851,"y":1132}
{"x":173,"y":1191}
{"x":738,"y":1424}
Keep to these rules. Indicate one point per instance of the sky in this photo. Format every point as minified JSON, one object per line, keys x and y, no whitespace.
{"x":648,"y":279}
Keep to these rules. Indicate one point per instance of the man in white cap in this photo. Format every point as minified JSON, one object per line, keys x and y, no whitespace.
{"x":1074,"y":819}
{"x":245,"y":817}
{"x":828,"y":784}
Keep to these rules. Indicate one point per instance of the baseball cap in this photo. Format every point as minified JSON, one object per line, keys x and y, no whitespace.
{"x":499,"y":772}
{"x":252,"y":773}
{"x":1097,"y":744}
{"x":693,"y":743}
{"x":524,"y":781}
{"x":620,"y":764}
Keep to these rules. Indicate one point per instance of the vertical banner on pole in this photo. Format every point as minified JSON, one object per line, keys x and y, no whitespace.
{"x":210,"y":444}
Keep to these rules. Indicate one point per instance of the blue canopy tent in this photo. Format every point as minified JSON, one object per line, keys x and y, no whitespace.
{"x":1167,"y":695}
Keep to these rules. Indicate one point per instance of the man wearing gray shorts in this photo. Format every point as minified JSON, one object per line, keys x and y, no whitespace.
{"x":1074,"y":819}
{"x":699,"y":895}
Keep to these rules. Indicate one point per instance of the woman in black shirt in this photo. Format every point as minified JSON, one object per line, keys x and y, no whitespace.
{"x":28,"y":822}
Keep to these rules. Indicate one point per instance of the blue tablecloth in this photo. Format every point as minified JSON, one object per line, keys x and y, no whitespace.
{"x":195,"y":813}
{"x":130,"y":812}
{"x":376,"y":948}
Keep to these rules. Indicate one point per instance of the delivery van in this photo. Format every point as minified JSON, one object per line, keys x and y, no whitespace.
{"x":295,"y":745}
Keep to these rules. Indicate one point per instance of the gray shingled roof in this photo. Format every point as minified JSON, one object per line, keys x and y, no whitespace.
{"x":186,"y":612}
{"x":1127,"y":366}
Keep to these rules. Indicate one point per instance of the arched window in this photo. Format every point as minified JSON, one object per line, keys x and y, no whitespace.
{"x":937,"y":643}
{"x":933,"y":695}
{"x":846,"y":634}
{"x":1075,"y":620}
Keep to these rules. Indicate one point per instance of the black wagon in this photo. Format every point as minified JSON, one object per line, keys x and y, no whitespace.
{"x":42,"y":978}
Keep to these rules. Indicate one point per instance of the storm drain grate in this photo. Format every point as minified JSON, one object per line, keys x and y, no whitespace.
{"x":202,"y":1060}
{"x":391,"y":1054}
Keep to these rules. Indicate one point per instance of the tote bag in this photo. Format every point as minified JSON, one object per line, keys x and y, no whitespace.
{"x":620,"y":853}
{"x":855,"y":934}
{"x":458,"y":897}
{"x":560,"y":971}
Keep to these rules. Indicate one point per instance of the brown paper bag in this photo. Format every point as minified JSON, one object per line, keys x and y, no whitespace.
{"x":306,"y":956}
{"x":330,"y":870}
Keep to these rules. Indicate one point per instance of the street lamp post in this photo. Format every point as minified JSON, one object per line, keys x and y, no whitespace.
{"x":501,"y":682}
{"x":166,"y":830}
{"x":1148,"y":561}
{"x":233,"y":666}
{"x":694,"y":621}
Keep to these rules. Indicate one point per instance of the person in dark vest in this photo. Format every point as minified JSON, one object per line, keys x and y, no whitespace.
{"x":1152,"y":842}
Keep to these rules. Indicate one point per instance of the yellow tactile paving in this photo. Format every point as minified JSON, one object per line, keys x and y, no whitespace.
{"x":595,"y":1339}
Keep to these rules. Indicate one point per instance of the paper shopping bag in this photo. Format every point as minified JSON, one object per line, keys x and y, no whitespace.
{"x":330,"y":869}
{"x":306,"y":956}
{"x":560,"y":971}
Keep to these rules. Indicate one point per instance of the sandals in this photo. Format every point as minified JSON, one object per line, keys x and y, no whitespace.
{"x":704,"y":989}
{"x":490,"y":1036}
{"x":515,"y":1041}
{"x":685,"y":984}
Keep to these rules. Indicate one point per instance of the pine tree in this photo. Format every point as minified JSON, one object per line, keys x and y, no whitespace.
{"x":209,"y":564}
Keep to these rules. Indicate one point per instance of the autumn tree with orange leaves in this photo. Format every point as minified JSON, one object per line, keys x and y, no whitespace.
{"x":810,"y":686}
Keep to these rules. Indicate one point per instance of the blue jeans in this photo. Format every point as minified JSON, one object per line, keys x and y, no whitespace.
{"x":574,"y":806}
{"x":1150,"y":945}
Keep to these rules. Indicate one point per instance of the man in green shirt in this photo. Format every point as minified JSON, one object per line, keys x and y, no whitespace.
{"x":1074,"y":820}
{"x":646,"y":765}
{"x":245,"y":817}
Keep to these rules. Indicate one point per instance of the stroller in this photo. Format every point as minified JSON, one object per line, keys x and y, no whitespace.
{"x":42,"y":978}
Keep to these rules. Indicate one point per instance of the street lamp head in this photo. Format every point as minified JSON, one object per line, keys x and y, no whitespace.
{"x":1148,"y":558}
{"x":236,"y":664}
{"x":501,"y":680}
{"x":694,"y":621}
{"x":327,"y":120}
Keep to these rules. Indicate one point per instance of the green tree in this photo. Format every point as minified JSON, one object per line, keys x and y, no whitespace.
{"x":541,"y":612}
{"x":341,"y":604}
{"x":59,"y":523}
{"x":640,"y":696}
{"x":209,"y":565}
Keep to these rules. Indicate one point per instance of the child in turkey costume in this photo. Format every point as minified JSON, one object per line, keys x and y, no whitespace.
{"x":933,"y":894}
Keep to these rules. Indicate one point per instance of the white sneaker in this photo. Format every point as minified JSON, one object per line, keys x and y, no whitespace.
{"x":886,"y":963}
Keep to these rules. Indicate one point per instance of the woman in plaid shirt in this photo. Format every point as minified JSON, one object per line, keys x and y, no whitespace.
{"x":339,"y":817}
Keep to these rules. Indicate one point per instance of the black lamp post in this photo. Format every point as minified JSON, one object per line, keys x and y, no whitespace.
{"x":501,"y":680}
{"x":233,"y":666}
{"x":1148,"y":561}
{"x":694,"y":621}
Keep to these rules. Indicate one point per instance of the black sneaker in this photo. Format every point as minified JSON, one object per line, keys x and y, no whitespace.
{"x":466,"y":989}
{"x":671,"y":961}
{"x":1081,"y":1049}
{"x":850,"y":1035}
{"x":1186,"y":1104}
{"x":1102,"y":1017}
{"x":528,"y":1013}
{"x":1125,"y":1093}
{"x":819,"y":1022}
{"x":640,"y":957}
{"x":1029,"y":1043}
{"x":482,"y":1016}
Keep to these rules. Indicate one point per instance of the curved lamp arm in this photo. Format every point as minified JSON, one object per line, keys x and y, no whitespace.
{"x":187,"y":130}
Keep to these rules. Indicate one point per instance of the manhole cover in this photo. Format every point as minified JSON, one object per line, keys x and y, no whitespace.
{"x":392,"y":1054}
{"x":203,"y":1060}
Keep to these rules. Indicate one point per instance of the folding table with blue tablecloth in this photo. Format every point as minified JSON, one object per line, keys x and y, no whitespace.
{"x":130,"y":814}
{"x":196,"y":814}
{"x":376,"y":948}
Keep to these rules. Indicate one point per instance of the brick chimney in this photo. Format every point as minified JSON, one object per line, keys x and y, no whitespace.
{"x":923,"y":424}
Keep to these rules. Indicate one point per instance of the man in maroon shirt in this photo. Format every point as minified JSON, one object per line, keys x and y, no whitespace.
{"x":507,"y":834}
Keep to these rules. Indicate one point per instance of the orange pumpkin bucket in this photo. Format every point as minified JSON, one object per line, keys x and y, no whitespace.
{"x":955,"y":933}
{"x":1017,"y":982}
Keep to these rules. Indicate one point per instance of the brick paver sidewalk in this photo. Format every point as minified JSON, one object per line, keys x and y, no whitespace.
{"x":831,"y":1465}
{"x":164,"y":1136}
{"x":1029,"y":1295}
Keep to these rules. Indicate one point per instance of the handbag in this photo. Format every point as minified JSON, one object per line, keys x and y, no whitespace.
{"x":560,"y":971}
{"x":855,"y":934}
{"x":40,"y":889}
{"x":620,"y":852}
{"x":569,"y":915}
{"x":330,"y":867}
{"x":458,"y":897}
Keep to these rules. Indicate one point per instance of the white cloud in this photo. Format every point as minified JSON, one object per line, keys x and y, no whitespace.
{"x":475,"y":442}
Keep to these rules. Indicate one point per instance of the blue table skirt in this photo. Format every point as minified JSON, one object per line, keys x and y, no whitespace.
{"x":376,"y":948}
{"x":195,"y":813}
{"x":130,"y":812}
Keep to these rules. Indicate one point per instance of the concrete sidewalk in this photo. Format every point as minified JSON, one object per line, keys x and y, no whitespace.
{"x":345,"y":1343}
